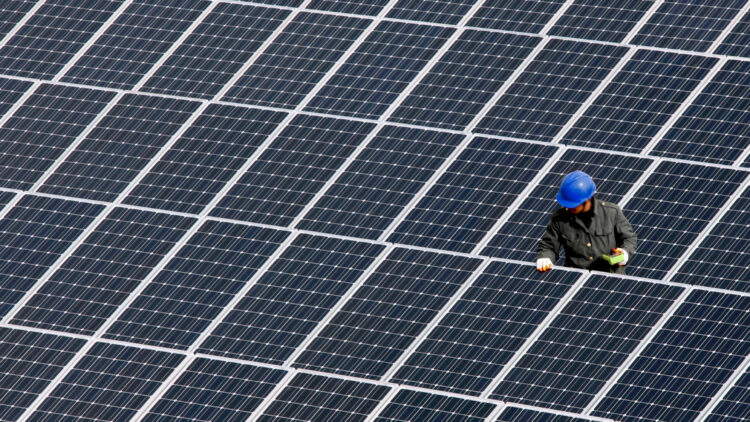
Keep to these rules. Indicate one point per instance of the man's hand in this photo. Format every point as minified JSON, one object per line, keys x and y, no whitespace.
{"x":621,"y":251}
{"x":544,"y":264}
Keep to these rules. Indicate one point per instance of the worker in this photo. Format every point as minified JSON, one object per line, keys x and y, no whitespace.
{"x":587,"y":229}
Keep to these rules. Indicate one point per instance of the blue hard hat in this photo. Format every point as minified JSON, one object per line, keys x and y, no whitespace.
{"x":576,"y":188}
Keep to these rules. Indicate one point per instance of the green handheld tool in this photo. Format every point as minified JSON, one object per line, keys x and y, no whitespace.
{"x":615,"y":258}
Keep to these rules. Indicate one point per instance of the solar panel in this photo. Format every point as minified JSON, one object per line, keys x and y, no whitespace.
{"x":318,"y":398}
{"x":329,"y":209}
{"x":586,"y":343}
{"x":33,"y":235}
{"x":638,"y":102}
{"x":40,"y":131}
{"x":297,"y":59}
{"x":292,"y":170}
{"x":462,"y":206}
{"x":134,"y":43}
{"x":464,"y":79}
{"x":381,"y":320}
{"x":183,"y":299}
{"x":483,"y":330}
{"x":129,"y":375}
{"x":236,"y":390}
{"x":217,"y":49}
{"x":53,"y":35}
{"x":600,"y":20}
{"x":409,"y":405}
{"x":714,"y":128}
{"x":371,"y":79}
{"x":686,"y":363}
{"x":29,"y":362}
{"x":664,"y":235}
{"x":120,"y":145}
{"x":103,"y":270}
{"x":377,"y":185}
{"x":551,"y":89}
{"x":285,"y":305}
{"x":204,"y":159}
{"x":687,"y":24}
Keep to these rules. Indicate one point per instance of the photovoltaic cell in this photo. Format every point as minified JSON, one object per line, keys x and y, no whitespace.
{"x":216,"y":50}
{"x":111,"y":382}
{"x":716,"y":127}
{"x":292,"y":297}
{"x":515,"y":414}
{"x":371,"y":192}
{"x":410,"y":405}
{"x":357,"y":7}
{"x":584,"y":346}
{"x":289,"y":173}
{"x":53,"y":35}
{"x":734,"y":406}
{"x":11,"y":12}
{"x":685,"y":365}
{"x":183,"y":299}
{"x":639,"y":100}
{"x":297,"y":60}
{"x":687,"y":24}
{"x":235,"y":391}
{"x":737,"y":42}
{"x":205,"y":157}
{"x":721,"y":258}
{"x":28,"y":363}
{"x":515,"y":15}
{"x":438,"y":11}
{"x":11,"y":91}
{"x":551,"y":89}
{"x":483,"y":330}
{"x":387,"y":313}
{"x":464,"y":79}
{"x":102,"y":271}
{"x":33,"y":235}
{"x":383,"y":65}
{"x":317,"y":398}
{"x":40,"y":131}
{"x":671,"y":208}
{"x":472,"y":194}
{"x":134,"y":42}
{"x":121,"y":144}
{"x":519,"y":236}
{"x":600,"y":20}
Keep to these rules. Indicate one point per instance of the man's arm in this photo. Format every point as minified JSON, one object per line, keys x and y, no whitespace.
{"x":549,"y":244}
{"x":624,"y":234}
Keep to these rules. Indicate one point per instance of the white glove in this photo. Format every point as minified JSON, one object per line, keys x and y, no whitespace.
{"x":624,"y":252}
{"x":544,"y":264}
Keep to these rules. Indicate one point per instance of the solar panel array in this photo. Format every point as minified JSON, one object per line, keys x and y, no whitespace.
{"x":327,"y":210}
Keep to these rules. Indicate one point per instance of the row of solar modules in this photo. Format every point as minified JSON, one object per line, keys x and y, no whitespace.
{"x":358,"y":179}
{"x":143,"y":50}
{"x":384,"y":313}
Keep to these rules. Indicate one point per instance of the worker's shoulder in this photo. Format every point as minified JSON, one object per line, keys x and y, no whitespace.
{"x":610,"y":205}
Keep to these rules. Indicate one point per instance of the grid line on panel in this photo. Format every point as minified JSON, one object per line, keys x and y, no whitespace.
{"x":271,"y":397}
{"x":736,"y":41}
{"x":602,"y":21}
{"x":529,"y":16}
{"x":162,"y":389}
{"x":92,"y":39}
{"x":684,"y":106}
{"x":551,"y":315}
{"x":729,"y":28}
{"x":53,"y":35}
{"x":556,"y":17}
{"x":637,"y":351}
{"x":451,"y":12}
{"x":724,"y":391}
{"x":411,"y":405}
{"x":642,"y":22}
{"x":383,"y":403}
{"x":435,"y":321}
{"x":12,"y":108}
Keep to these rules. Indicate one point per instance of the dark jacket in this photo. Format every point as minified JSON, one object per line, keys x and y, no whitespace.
{"x":585,"y":244}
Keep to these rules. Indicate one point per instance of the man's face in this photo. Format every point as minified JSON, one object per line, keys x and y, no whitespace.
{"x":581,"y":208}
